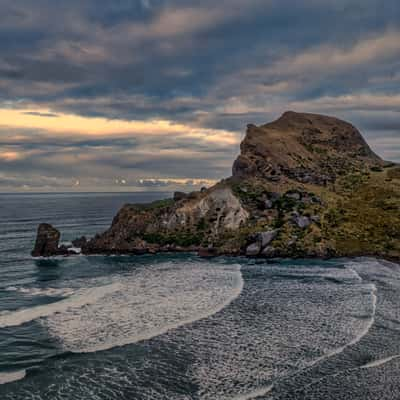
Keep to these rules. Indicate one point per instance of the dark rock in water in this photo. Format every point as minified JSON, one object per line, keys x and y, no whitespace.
{"x":79,"y":242}
{"x":180,"y":196}
{"x":47,"y":241}
{"x":207,"y":252}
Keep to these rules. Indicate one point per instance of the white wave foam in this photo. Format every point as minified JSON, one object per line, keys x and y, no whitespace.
{"x":147,"y":303}
{"x":380,"y":362}
{"x":356,"y":274}
{"x":8,"y":377}
{"x":63,"y":292}
{"x":363,"y":332}
{"x":79,"y":299}
{"x":255,"y":394}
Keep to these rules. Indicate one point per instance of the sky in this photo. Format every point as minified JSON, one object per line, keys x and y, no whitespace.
{"x":138,"y":95}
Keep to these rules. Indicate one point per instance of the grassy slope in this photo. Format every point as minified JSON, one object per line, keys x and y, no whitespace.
{"x":365,"y":219}
{"x":360,"y":215}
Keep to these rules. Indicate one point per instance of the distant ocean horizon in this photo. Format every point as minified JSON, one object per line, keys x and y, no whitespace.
{"x":61,"y":192}
{"x":176,"y":326}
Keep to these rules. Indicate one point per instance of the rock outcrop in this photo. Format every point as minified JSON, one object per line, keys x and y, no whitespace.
{"x":308,"y":148}
{"x":184,"y":223}
{"x":304,"y":185}
{"x":47,"y":242}
{"x":261,"y":242}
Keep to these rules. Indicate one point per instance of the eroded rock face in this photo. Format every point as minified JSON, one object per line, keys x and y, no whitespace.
{"x":188,"y":224}
{"x":220,"y":209}
{"x":308,"y":148}
{"x":47,"y":242}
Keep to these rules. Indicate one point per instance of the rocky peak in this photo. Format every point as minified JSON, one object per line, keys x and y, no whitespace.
{"x":309,"y":148}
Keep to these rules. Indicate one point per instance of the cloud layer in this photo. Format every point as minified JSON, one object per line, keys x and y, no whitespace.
{"x":135,"y":94}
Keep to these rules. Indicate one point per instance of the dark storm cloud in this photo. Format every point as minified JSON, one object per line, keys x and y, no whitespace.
{"x":207,"y":64}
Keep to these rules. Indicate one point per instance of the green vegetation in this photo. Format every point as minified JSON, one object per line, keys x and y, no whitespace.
{"x":394,"y":173}
{"x":158,"y":204}
{"x":251,"y":194}
{"x":184,"y":239}
{"x":366,"y":219}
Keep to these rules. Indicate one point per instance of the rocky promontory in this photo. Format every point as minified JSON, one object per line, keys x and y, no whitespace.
{"x":305,"y":185}
{"x":48,"y":243}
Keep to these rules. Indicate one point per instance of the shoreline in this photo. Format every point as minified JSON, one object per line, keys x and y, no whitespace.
{"x":395,"y":260}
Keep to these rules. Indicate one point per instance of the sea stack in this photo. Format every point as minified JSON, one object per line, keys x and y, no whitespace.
{"x":47,"y":242}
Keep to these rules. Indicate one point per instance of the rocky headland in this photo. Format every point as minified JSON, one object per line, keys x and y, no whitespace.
{"x":305,"y":185}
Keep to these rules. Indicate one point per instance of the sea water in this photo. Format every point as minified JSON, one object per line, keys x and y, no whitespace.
{"x":180,"y":327}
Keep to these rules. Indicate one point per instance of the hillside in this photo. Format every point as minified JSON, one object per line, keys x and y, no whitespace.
{"x":309,"y":148}
{"x":305,"y":185}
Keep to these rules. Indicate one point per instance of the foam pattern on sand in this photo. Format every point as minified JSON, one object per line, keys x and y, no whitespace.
{"x":144,"y":303}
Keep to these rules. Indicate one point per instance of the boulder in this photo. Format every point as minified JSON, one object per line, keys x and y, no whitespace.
{"x":269,"y":251}
{"x":293,"y":195}
{"x":253,"y":249}
{"x":268,"y":204}
{"x":302,"y":222}
{"x":267,"y":237}
{"x":47,"y":242}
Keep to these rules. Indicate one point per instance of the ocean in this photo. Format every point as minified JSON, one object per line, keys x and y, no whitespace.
{"x":176,"y":326}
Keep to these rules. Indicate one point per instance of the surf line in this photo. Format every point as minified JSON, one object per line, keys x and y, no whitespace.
{"x":254,"y":394}
{"x":8,"y":377}
{"x":358,"y":338}
{"x":378,"y":363}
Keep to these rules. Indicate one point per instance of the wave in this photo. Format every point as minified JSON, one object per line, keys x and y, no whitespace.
{"x":8,"y":377}
{"x":34,"y":291}
{"x":378,"y":363}
{"x":254,"y":394}
{"x":146,"y":303}
{"x":360,"y":335}
{"x":79,"y":299}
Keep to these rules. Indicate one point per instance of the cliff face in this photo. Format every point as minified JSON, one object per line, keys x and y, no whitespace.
{"x":303,"y":185}
{"x":308,"y":148}
{"x":173,"y":225}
